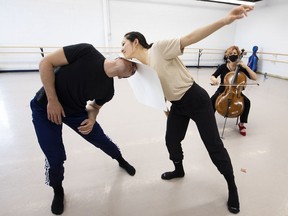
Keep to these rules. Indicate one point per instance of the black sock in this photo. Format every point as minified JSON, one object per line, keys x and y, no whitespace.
{"x":233,"y":202}
{"x":233,"y":199}
{"x":57,"y":206}
{"x":177,"y":173}
{"x":125,"y":165}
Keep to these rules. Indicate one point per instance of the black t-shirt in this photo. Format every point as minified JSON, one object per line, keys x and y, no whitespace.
{"x":81,"y":80}
{"x":222,"y":70}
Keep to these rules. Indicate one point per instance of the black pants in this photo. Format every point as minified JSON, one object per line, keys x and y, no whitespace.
{"x":247,"y":105}
{"x":196,"y":105}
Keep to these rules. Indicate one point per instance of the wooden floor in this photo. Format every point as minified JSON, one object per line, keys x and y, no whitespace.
{"x":95,"y":185}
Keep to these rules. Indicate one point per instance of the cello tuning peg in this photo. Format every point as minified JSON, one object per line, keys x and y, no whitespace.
{"x":243,"y":52}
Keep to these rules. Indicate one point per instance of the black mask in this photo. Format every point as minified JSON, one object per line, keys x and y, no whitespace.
{"x":233,"y":58}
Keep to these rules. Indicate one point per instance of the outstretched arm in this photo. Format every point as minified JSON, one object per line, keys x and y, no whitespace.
{"x":236,"y":13}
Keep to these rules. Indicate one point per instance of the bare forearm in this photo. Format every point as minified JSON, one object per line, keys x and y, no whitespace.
{"x":92,"y":114}
{"x":252,"y":74}
{"x":214,"y":80}
{"x":46,"y":69}
{"x":92,"y":110}
{"x":47,"y":76}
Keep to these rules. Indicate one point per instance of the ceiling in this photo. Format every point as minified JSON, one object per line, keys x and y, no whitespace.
{"x":233,"y":2}
{"x":201,"y":3}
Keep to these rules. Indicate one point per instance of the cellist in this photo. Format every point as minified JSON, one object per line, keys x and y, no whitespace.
{"x":231,"y":58}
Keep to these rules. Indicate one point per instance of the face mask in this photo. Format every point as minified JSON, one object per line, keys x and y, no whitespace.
{"x":233,"y":58}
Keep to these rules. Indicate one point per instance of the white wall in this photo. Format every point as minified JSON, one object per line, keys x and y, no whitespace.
{"x":170,"y":19}
{"x":62,"y":22}
{"x":46,"y":23}
{"x":161,"y":21}
{"x":51,"y":22}
{"x":267,"y":28}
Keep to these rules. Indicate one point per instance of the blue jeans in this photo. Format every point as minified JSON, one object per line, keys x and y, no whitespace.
{"x":50,"y":139}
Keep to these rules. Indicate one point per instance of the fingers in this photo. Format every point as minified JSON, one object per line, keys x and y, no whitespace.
{"x":85,"y":127}
{"x":55,"y":112}
{"x":85,"y":132}
{"x":166,"y":113}
{"x":242,"y":11}
{"x":246,"y":8}
{"x":63,"y":113}
{"x":55,"y":118}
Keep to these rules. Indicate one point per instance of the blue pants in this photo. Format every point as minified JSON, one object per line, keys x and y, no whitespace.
{"x":50,"y":139}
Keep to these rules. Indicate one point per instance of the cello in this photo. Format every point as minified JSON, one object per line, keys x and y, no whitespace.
{"x":230,"y":103}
